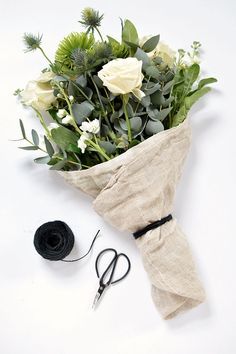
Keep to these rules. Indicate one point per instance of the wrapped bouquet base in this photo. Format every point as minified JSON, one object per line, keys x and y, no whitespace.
{"x":136,"y":189}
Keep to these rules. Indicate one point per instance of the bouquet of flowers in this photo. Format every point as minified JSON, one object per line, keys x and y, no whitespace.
{"x":119,"y":133}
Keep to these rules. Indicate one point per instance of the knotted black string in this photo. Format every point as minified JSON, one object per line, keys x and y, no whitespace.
{"x":54,"y":240}
{"x":152,"y":226}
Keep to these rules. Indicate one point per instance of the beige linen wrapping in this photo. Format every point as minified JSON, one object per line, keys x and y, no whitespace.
{"x":138,"y":188}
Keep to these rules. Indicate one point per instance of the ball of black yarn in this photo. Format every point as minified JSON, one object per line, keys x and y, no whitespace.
{"x":54,"y":240}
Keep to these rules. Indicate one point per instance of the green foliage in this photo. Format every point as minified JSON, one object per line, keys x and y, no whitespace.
{"x":151,"y":43}
{"x":63,"y":137}
{"x":117,"y":122}
{"x":187,"y":104}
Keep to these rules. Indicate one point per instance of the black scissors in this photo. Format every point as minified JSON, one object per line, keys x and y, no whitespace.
{"x":110,"y":269}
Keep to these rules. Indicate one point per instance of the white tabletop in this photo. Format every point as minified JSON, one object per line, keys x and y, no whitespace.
{"x":45,"y":307}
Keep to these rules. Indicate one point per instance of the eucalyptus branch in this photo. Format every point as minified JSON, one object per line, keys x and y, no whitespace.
{"x":125,"y":101}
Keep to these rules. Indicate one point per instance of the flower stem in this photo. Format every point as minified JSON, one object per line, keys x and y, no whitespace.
{"x":125,"y":101}
{"x":42,"y":120}
{"x":99,"y":33}
{"x":44,"y":54}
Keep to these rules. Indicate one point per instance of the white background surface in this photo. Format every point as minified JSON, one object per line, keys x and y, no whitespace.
{"x":45,"y":308}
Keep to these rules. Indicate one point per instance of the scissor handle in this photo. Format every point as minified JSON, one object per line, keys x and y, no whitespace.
{"x":112,"y":265}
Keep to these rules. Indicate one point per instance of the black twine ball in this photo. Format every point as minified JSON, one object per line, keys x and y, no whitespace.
{"x":54,"y":240}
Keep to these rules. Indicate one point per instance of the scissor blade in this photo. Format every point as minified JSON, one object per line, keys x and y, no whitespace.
{"x":97,"y":297}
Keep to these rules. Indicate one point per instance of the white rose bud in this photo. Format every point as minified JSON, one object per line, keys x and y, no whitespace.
{"x":39,"y":93}
{"x":122,"y":76}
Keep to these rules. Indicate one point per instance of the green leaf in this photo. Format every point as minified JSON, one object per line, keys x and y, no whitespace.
{"x":207,"y":81}
{"x":49,"y":146}
{"x":161,"y":115}
{"x":73,"y":148}
{"x":59,"y":165}
{"x":29,"y":147}
{"x":136,"y":124}
{"x":132,"y":45}
{"x":191,"y":76}
{"x":157,"y":98}
{"x":22,"y":129}
{"x":63,"y":137}
{"x":107,"y":146}
{"x":42,"y":160}
{"x":146,"y":101}
{"x":35,"y":137}
{"x":153,"y":72}
{"x":153,"y":127}
{"x":151,"y":44}
{"x":129,"y":33}
{"x":188,"y":103}
{"x":133,"y":143}
{"x":141,"y":55}
{"x":151,"y":87}
{"x":82,"y":111}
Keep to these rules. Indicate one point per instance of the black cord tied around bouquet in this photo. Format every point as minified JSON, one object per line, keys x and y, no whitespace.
{"x":152,"y":226}
{"x":54,"y":241}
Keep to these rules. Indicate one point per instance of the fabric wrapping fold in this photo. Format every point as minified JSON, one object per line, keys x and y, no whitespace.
{"x":138,"y":188}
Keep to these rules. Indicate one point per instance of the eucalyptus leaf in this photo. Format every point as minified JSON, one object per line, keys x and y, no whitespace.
{"x":49,"y":146}
{"x":59,"y":165}
{"x":141,"y":55}
{"x":136,"y":124}
{"x":109,"y":147}
{"x":42,"y":160}
{"x":115,"y":115}
{"x":151,"y":88}
{"x":82,"y":111}
{"x":151,"y":44}
{"x":157,"y":98}
{"x":129,"y":33}
{"x":33,"y":147}
{"x":22,"y":129}
{"x":153,"y":72}
{"x":35,"y":137}
{"x":81,"y":80}
{"x":164,"y":113}
{"x":146,"y":101}
{"x":153,"y":127}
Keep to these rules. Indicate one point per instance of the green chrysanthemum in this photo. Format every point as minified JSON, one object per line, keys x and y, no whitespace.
{"x":69,"y":44}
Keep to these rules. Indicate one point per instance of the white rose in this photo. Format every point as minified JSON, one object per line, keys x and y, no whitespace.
{"x":91,"y":127}
{"x":122,"y":76}
{"x":167,"y":54}
{"x":82,"y":141}
{"x":162,"y":50}
{"x":39,"y":93}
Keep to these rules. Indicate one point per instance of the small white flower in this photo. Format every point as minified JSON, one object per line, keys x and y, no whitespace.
{"x":68,"y":119}
{"x":61,"y":84}
{"x":71,"y":98}
{"x":61,"y":113}
{"x":82,"y":141}
{"x":91,"y":127}
{"x":59,"y":95}
{"x":53,"y":126}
